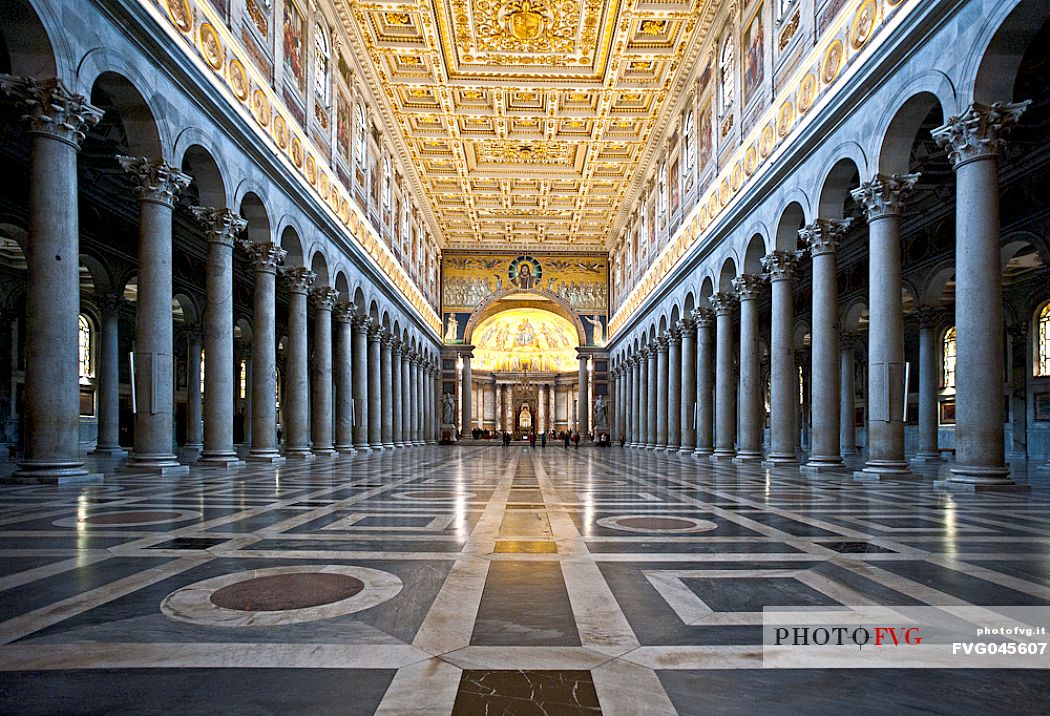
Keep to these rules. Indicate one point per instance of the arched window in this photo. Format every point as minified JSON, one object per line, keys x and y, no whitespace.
{"x":86,"y":344}
{"x":948,"y":359}
{"x":727,"y":74}
{"x":687,"y":141}
{"x":1042,"y":342}
{"x":361,"y":145}
{"x":388,"y":185}
{"x":322,"y":65}
{"x":661,"y":190}
{"x":243,"y":379}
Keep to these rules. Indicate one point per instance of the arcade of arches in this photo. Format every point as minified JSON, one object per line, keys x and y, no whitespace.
{"x":277,"y":275}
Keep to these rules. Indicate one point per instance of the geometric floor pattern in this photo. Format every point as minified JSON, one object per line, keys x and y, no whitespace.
{"x":481,"y":579}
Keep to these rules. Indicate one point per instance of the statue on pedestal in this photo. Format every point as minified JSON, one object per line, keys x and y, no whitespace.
{"x":601,"y":415}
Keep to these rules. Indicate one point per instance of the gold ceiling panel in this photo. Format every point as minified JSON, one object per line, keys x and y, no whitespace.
{"x":525,"y":118}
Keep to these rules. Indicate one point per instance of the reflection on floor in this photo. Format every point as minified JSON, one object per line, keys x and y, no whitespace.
{"x":479,"y":579}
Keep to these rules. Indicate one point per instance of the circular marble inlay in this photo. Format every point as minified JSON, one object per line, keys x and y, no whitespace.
{"x":127,"y":518}
{"x":286,"y":591}
{"x":281,"y":595}
{"x":674,"y":524}
{"x":433,"y":495}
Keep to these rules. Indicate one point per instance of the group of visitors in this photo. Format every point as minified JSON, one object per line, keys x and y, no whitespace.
{"x":566,"y":436}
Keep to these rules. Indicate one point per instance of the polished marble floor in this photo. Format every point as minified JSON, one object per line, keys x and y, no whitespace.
{"x":483,"y":580}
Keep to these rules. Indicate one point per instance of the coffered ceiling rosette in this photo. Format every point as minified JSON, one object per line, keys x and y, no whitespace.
{"x":525,"y":118}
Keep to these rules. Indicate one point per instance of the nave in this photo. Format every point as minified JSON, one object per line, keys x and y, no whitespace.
{"x":478,"y":579}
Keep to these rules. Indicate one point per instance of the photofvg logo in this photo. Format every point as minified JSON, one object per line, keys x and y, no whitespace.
{"x":867,"y":637}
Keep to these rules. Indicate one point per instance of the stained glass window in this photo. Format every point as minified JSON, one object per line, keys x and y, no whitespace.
{"x":948,"y":359}
{"x":86,"y":341}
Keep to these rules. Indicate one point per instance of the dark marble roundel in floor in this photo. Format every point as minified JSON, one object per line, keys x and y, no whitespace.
{"x":655,"y":523}
{"x":286,"y":591}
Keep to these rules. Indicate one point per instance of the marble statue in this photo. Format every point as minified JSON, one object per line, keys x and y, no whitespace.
{"x":448,"y":409}
{"x":601,"y":415}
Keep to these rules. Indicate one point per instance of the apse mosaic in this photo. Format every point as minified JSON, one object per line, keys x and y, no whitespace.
{"x":525,"y":339}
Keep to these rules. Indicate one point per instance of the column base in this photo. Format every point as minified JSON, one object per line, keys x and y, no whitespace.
{"x":193,"y":446}
{"x":885,"y":470}
{"x":980,"y":479}
{"x":52,"y":473}
{"x":686,"y":450}
{"x":847,"y":452}
{"x":162,"y":468}
{"x":417,"y":443}
{"x":400,"y":444}
{"x":648,"y":446}
{"x":223,"y":461}
{"x":780,"y":459}
{"x":378,"y":447}
{"x":747,"y":456}
{"x":362,"y":449}
{"x":817,"y":467}
{"x":927,"y":458}
{"x":298,"y":454}
{"x":348,"y":450}
{"x":430,"y":442}
{"x":722,"y":455}
{"x":326,"y":452}
{"x":110,"y":450}
{"x":1043,"y":468}
{"x":703,"y":452}
{"x":266,"y":456}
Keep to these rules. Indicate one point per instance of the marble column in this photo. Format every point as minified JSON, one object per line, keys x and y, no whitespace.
{"x":296,"y":392}
{"x":704,"y":319}
{"x":109,"y":377}
{"x":847,"y":374}
{"x":882,"y":199}
{"x":975,"y":141}
{"x":725,"y":387}
{"x":583,"y":399}
{"x":388,"y":406}
{"x":687,"y":395}
{"x":674,"y":389}
{"x":929,"y":382}
{"x":55,"y":121}
{"x":636,"y":397}
{"x":751,"y":413}
{"x":194,"y":425}
{"x":405,"y":405}
{"x":344,"y":380}
{"x":652,"y":420}
{"x":245,"y":351}
{"x":541,"y":408}
{"x":645,"y":391}
{"x":323,"y":301}
{"x":220,"y":226}
{"x":156,"y":186}
{"x":663,"y":349}
{"x":375,"y":388}
{"x":823,"y":238}
{"x":417,"y":402}
{"x":428,"y":404}
{"x":359,"y":372}
{"x":783,"y":389}
{"x":265,"y":258}
{"x":499,"y":407}
{"x":467,"y":397}
{"x":397,"y":394}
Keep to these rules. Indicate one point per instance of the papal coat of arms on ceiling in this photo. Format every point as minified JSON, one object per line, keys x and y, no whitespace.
{"x":526,"y":25}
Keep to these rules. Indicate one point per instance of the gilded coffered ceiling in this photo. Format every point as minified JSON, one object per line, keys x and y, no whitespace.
{"x":525,"y":118}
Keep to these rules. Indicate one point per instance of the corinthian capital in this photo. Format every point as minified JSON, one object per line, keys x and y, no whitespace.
{"x":723,"y":303}
{"x":703,"y":317}
{"x":221,"y":226}
{"x":884,"y":195}
{"x":154,"y":181}
{"x":781,"y":265}
{"x":823,"y":236}
{"x":978,"y":132}
{"x":344,"y":312}
{"x":299,"y":280}
{"x":323,"y":298}
{"x":928,"y":316}
{"x":747,"y":286}
{"x":265,"y":258}
{"x":50,"y":109}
